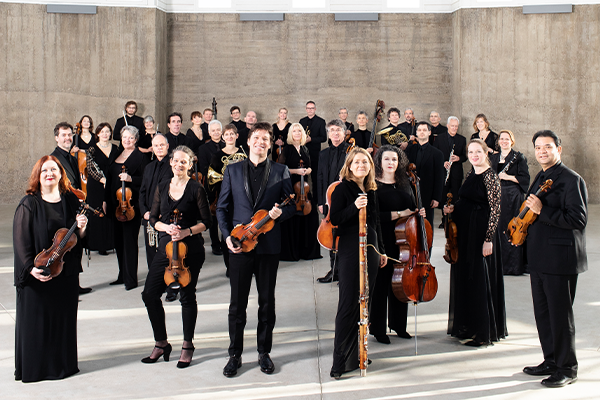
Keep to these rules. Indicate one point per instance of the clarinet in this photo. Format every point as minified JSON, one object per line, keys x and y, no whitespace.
{"x":511,"y":162}
{"x":450,"y":166}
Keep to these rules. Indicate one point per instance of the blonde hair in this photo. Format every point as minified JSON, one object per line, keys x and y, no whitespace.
{"x":369,"y":181}
{"x":290,"y":140}
{"x":510,"y":134}
{"x":483,"y":146}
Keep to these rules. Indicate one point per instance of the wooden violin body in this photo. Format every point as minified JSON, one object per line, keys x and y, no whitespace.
{"x":124,"y":211}
{"x":451,"y":248}
{"x":81,"y":156}
{"x":516,"y":231}
{"x":326,"y":233}
{"x":302,"y":190}
{"x":246,"y":236}
{"x":177,"y":274}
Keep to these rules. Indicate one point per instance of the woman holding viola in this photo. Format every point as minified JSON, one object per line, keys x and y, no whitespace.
{"x":189,"y":198}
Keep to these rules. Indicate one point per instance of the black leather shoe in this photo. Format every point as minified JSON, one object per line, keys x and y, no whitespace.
{"x":328,"y":278}
{"x":232,"y":366}
{"x":217,"y":252}
{"x":266,"y":364}
{"x":557,"y":380}
{"x":117,"y":282}
{"x":382,"y":339}
{"x":404,"y":335}
{"x":540,"y":370}
{"x":185,"y":364}
{"x":84,"y":290}
{"x":165,"y":354}
{"x":171,"y":295}
{"x":102,"y":252}
{"x":335,"y":375}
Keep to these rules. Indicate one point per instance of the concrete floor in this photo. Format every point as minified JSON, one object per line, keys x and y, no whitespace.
{"x":114,"y":334}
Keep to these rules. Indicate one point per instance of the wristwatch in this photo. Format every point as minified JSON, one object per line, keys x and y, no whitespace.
{"x":191,"y":233}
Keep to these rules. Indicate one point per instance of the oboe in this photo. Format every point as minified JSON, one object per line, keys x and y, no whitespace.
{"x":363,"y":323}
{"x":449,"y":166}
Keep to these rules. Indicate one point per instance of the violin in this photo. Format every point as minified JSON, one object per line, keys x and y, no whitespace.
{"x":79,"y":193}
{"x":302,"y":189}
{"x":451,"y":249}
{"x":197,"y":176}
{"x":246,"y":236}
{"x":419,"y":282}
{"x":516,"y":232}
{"x":177,"y":274}
{"x":379,"y":109}
{"x":51,"y":261}
{"x":124,"y":211}
{"x":278,"y":150}
{"x":81,"y":160}
{"x":326,"y":234}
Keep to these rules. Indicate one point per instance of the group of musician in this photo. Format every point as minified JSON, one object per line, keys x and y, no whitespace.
{"x":234,"y":180}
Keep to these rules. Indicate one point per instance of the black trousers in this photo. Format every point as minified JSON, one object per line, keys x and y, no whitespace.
{"x":384,"y":303}
{"x":155,"y":287}
{"x":150,"y":250}
{"x":241,"y":268}
{"x":553,"y":297}
{"x":126,"y":246}
{"x":215,"y":242}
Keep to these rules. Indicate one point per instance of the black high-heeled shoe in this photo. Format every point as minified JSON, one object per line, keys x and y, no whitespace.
{"x":185,"y":364}
{"x":165,"y":355}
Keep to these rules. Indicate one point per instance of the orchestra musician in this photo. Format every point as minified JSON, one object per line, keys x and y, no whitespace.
{"x":126,"y":233}
{"x":195,"y":133}
{"x":85,"y":133}
{"x":358,"y":176}
{"x":393,"y":116}
{"x":514,"y":182}
{"x":236,"y":116}
{"x":174,"y":136}
{"x":408,"y":127}
{"x":188,"y":196}
{"x":343,"y":116}
{"x":46,"y":317}
{"x":316,"y":133}
{"x":331,"y":161}
{"x":436,"y":127}
{"x":299,"y":233}
{"x":207,"y":115}
{"x":395,"y":201}
{"x":477,"y":313}
{"x":556,"y":254}
{"x":145,"y":143}
{"x":362,"y":135}
{"x":281,"y":127}
{"x":243,"y":132}
{"x":483,"y":132}
{"x":256,"y":183}
{"x":132,"y":119}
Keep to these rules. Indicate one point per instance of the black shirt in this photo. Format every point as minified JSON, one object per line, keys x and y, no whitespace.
{"x":435,"y":131}
{"x":255,"y":175}
{"x":335,"y":153}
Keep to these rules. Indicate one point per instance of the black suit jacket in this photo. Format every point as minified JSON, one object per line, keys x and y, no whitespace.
{"x":154,"y":173}
{"x":323,"y":172}
{"x":318,"y":133}
{"x":442,"y":143}
{"x":64,"y":159}
{"x":431,"y":172}
{"x":556,"y":239}
{"x":235,"y":205}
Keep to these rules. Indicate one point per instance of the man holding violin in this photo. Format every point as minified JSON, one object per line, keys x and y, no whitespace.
{"x":254,"y":184}
{"x":557,"y":254}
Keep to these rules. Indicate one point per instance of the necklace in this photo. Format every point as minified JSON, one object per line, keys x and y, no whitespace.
{"x":103,"y":146}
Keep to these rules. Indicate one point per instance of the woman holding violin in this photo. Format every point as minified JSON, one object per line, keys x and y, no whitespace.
{"x":281,"y":129}
{"x":299,"y":233}
{"x":513,"y":172}
{"x":477,"y":313}
{"x":46,"y":320}
{"x":358,"y":178}
{"x":483,"y":132}
{"x":101,"y":154}
{"x":189,"y":199}
{"x":395,"y":201}
{"x":123,"y":205}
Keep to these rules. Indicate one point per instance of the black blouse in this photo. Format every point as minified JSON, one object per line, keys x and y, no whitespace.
{"x":518,"y":168}
{"x":292,"y":158}
{"x":491,"y":140}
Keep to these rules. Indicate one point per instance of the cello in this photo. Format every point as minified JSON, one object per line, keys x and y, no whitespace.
{"x":516,"y":232}
{"x":302,"y":190}
{"x":177,"y":274}
{"x":124,"y":211}
{"x":326,"y":234}
{"x":451,"y":249}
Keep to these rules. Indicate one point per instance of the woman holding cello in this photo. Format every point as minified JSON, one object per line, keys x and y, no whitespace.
{"x":188,"y":197}
{"x":126,"y":172}
{"x":358,"y":177}
{"x":46,"y":322}
{"x":395,"y":201}
{"x":477,"y":313}
{"x":299,"y":233}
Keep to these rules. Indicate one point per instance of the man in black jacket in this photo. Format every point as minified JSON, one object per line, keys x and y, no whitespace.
{"x":556,"y":255}
{"x":314,"y":126}
{"x":331,"y":161}
{"x":174,"y":136}
{"x":254,"y":184}
{"x":132,"y":119}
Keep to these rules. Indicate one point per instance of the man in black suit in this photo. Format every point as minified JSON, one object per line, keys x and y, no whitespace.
{"x":436,"y":128}
{"x":236,"y":115}
{"x":243,"y":132}
{"x":331,"y":161}
{"x":132,"y":119}
{"x":314,"y":126}
{"x":256,"y":183}
{"x":557,"y":254}
{"x":445,"y":143}
{"x":408,"y":127}
{"x":207,"y":115}
{"x":430,"y":169}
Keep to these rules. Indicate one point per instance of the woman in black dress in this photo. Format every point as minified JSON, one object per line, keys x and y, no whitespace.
{"x":477,"y":313}
{"x":84,"y":138}
{"x":230,"y":154}
{"x":189,"y":197}
{"x":358,"y":176}
{"x":483,"y":132}
{"x":299,"y":233}
{"x":281,"y":129}
{"x":145,"y":143}
{"x":514,"y":182}
{"x":46,"y":324}
{"x":126,"y":233}
{"x":395,"y":201}
{"x":101,"y":154}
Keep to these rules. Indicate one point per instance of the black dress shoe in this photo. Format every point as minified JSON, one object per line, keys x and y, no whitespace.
{"x":557,"y":380}
{"x":117,"y":282}
{"x":266,"y":364}
{"x":171,"y":295}
{"x":232,"y":366}
{"x":128,"y":288}
{"x":165,"y":354}
{"x":329,"y":277}
{"x":102,"y":252}
{"x":404,"y":335}
{"x":217,"y":252}
{"x":382,"y":339}
{"x":540,"y":370}
{"x":185,"y":364}
{"x":335,"y":375}
{"x":84,"y":290}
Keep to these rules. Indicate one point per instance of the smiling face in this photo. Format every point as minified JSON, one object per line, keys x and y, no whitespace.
{"x":128,"y":140}
{"x":297,"y":134}
{"x":85,"y":123}
{"x":389,"y":162}
{"x":160,"y":146}
{"x":250,"y":118}
{"x":229,"y":136}
{"x":197,"y":120}
{"x":505,"y":141}
{"x":477,"y":156}
{"x":408,"y":115}
{"x":360,"y":166}
{"x":546,"y":152}
{"x":434,"y":118}
{"x":260,"y":143}
{"x":236,"y":114}
{"x":343,"y":114}
{"x":311,"y":110}
{"x":50,"y":175}
{"x":174,"y":125}
{"x":362,"y":120}
{"x":64,"y":139}
{"x":394,"y":118}
{"x":180,"y":164}
{"x":481,"y":125}
{"x":215,"y":133}
{"x":149,"y":125}
{"x":282,"y":114}
{"x":336,"y":135}
{"x":208,"y":116}
{"x":452,"y":127}
{"x":104,"y":135}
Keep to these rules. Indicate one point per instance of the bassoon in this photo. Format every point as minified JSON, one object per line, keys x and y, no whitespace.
{"x":363,"y":322}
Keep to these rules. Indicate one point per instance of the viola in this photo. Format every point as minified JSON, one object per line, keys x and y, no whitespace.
{"x":302,"y":190}
{"x":451,"y":249}
{"x":51,"y":261}
{"x":516,"y":232}
{"x":326,"y":234}
{"x":379,"y":109}
{"x":246,"y":236}
{"x":177,"y":274}
{"x":124,"y":211}
{"x":278,"y":150}
{"x":197,"y":176}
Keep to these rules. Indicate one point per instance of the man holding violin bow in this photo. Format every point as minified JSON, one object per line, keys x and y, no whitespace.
{"x":253,"y":185}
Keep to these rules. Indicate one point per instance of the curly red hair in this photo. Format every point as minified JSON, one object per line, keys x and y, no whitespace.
{"x":34,"y":179}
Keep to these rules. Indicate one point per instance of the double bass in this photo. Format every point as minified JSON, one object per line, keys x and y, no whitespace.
{"x":302,"y":190}
{"x":516,"y":231}
{"x":177,"y":274}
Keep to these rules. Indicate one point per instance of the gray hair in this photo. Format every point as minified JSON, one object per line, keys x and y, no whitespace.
{"x":184,"y":149}
{"x":148,"y":118}
{"x":132,"y":130}
{"x":158,"y":134}
{"x":406,"y":109}
{"x":362,"y":113}
{"x":336,"y":122}
{"x":434,"y":112}
{"x":453,"y":117}
{"x":214,"y":121}
{"x":343,"y":108}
